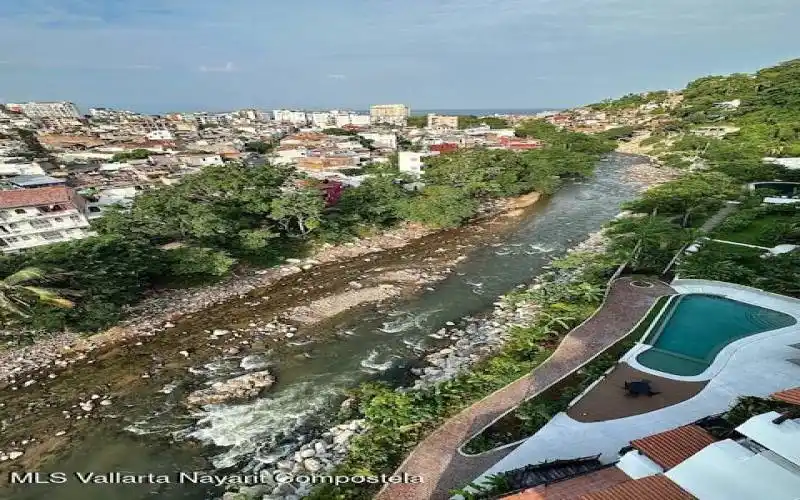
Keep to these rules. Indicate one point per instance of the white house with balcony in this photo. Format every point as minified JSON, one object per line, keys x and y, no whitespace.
{"x":41,"y":216}
{"x":411,"y":162}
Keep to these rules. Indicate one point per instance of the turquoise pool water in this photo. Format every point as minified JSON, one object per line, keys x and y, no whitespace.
{"x":696,"y":327}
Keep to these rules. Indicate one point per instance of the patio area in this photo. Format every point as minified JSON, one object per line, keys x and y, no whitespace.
{"x":608,"y":400}
{"x":755,"y":366}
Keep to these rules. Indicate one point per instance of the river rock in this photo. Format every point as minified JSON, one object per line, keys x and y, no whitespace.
{"x":15,"y":455}
{"x":239,"y":388}
{"x":312,"y":464}
{"x":307,"y":453}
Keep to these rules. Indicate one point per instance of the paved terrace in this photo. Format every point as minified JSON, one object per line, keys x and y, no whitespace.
{"x":437,"y":459}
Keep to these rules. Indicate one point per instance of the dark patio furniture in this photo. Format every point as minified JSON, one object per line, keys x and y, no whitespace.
{"x":640,"y":388}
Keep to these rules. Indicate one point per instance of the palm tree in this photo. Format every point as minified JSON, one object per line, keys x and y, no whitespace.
{"x":17,"y":296}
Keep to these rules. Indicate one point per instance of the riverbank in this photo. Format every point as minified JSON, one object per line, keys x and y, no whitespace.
{"x":156,"y":314}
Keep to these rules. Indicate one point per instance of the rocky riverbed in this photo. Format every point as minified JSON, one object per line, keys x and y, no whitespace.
{"x":470,"y":341}
{"x":46,"y":388}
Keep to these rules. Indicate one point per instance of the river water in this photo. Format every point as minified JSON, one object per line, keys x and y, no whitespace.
{"x":352,"y":348}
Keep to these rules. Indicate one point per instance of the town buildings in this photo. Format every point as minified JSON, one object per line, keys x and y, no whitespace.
{"x":41,"y":216}
{"x":289,"y":116}
{"x":37,"y":110}
{"x":389,"y":114}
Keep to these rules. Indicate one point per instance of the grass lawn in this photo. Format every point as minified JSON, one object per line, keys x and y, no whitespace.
{"x":758,"y":232}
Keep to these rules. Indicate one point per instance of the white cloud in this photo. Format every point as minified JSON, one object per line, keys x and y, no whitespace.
{"x":229,"y":67}
{"x":337,"y":77}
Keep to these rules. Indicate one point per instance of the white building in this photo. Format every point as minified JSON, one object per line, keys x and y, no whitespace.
{"x":160,"y":135}
{"x":14,"y":169}
{"x":381,"y":140}
{"x":202,"y":160}
{"x":442,"y":122}
{"x":354,"y":119}
{"x":100,"y":202}
{"x":766,"y":464}
{"x":290,"y":116}
{"x":36,"y":110}
{"x":410,"y":162}
{"x":322,"y":119}
{"x":390,"y":114}
{"x":41,"y":216}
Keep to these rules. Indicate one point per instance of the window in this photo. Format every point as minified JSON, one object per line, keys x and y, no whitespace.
{"x":74,"y":218}
{"x":13,"y":226}
{"x":11,"y":239}
{"x":94,"y":210}
{"x":58,"y":219}
{"x":19,"y":211}
{"x":39,"y":224}
{"x":51,"y":235}
{"x":25,"y":238}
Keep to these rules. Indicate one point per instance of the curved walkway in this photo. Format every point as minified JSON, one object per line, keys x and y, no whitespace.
{"x":437,"y":460}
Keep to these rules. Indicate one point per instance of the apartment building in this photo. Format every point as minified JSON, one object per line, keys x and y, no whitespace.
{"x":37,"y":110}
{"x":322,"y":119}
{"x":412,"y":162}
{"x":351,"y":119}
{"x":41,"y":216}
{"x":290,"y":116}
{"x":390,"y":114}
{"x":442,"y":122}
{"x":380,"y":140}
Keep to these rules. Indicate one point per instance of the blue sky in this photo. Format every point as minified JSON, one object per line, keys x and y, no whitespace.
{"x":162,"y":55}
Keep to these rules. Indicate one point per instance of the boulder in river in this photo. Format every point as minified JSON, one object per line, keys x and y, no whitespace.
{"x":239,"y":388}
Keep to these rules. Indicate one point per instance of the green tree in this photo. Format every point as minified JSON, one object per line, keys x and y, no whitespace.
{"x":376,"y":201}
{"x":298,"y":211}
{"x":259,"y":147}
{"x":192,"y":263}
{"x":440,"y":206}
{"x":18,"y":294}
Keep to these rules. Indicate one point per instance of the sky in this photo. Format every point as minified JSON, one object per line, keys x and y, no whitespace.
{"x":158,"y":56}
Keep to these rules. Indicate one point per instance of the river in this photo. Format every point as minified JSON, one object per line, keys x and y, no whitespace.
{"x":160,"y":437}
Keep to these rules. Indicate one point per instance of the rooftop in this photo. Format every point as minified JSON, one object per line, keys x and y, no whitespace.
{"x":672,"y":447}
{"x":791,"y":396}
{"x":572,"y":488}
{"x":657,"y":487}
{"x":33,"y":197}
{"x":34,"y":180}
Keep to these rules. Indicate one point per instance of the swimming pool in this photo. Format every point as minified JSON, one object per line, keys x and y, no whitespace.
{"x":695,"y":328}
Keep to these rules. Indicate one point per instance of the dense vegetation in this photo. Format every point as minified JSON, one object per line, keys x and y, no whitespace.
{"x":630,"y":101}
{"x":464,"y":121}
{"x":199,"y":229}
{"x":136,"y":154}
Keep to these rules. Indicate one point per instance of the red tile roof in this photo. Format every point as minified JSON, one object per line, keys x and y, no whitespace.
{"x":791,"y":396}
{"x":672,"y":447}
{"x":33,"y":197}
{"x":572,"y":488}
{"x":647,"y":488}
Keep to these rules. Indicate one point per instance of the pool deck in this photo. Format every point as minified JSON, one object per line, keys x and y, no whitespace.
{"x":608,"y":400}
{"x":754,"y":366}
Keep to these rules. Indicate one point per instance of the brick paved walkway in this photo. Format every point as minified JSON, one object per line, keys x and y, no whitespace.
{"x":437,"y":459}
